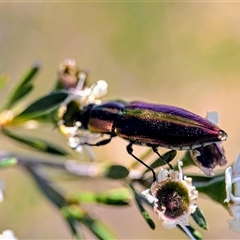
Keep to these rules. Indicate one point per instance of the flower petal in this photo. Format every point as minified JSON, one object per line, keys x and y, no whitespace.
{"x":234,"y":225}
{"x":228,"y":183}
{"x":148,"y":196}
{"x":7,"y":234}
{"x":212,"y":117}
{"x":162,"y":175}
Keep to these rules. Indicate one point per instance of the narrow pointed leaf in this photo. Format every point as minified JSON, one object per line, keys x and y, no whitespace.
{"x":28,"y":77}
{"x":191,"y":233}
{"x":144,"y":213}
{"x":54,"y":195}
{"x":46,"y":187}
{"x":72,"y":222}
{"x":213,"y":187}
{"x":42,"y":106}
{"x":98,"y":228}
{"x":199,"y":218}
{"x":35,"y":143}
{"x":94,"y":225}
{"x":168,"y":157}
{"x":82,"y":197}
{"x":20,"y":94}
{"x":113,"y":197}
{"x":24,"y":87}
{"x":7,"y":162}
{"x":72,"y":225}
{"x":116,"y":172}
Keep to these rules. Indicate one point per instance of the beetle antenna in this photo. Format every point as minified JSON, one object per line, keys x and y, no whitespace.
{"x":130,"y":151}
{"x":161,"y":157}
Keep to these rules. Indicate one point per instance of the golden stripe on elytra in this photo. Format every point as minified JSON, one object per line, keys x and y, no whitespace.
{"x":156,"y":116}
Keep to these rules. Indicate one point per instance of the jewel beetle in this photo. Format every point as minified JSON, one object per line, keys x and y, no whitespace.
{"x":152,"y":125}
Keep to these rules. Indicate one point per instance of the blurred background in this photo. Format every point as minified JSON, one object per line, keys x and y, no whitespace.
{"x":183,"y":54}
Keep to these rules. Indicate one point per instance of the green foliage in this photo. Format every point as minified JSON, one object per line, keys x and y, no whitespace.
{"x":72,"y":207}
{"x":199,"y":218}
{"x":116,"y":196}
{"x":116,"y":172}
{"x":166,"y":158}
{"x":36,"y":143}
{"x":139,"y":201}
{"x":24,"y":87}
{"x":213,"y":187}
{"x":100,"y":230}
{"x":42,"y":107}
{"x":193,"y":232}
{"x":7,"y":162}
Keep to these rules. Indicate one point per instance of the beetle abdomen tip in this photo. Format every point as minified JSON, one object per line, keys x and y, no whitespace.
{"x":222,"y":135}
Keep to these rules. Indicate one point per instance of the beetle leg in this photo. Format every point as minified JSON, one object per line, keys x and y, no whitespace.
{"x":130,"y":152}
{"x":100,"y":143}
{"x":161,"y":157}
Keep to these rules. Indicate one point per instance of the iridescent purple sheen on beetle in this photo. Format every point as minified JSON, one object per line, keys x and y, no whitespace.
{"x":150,"y":124}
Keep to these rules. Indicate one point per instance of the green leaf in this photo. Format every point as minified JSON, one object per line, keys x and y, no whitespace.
{"x":72,"y":222}
{"x":191,"y":233}
{"x":146,"y":154}
{"x":145,"y":215}
{"x":168,"y":157}
{"x":213,"y":187}
{"x":95,"y":226}
{"x":82,"y":197}
{"x":54,"y":196}
{"x":73,"y":210}
{"x":7,"y":162}
{"x":46,"y":187}
{"x":99,"y":229}
{"x":116,"y":172}
{"x":24,"y":87}
{"x":42,"y":106}
{"x":35,"y":143}
{"x":119,"y":197}
{"x":3,"y":80}
{"x":199,"y":218}
{"x":115,"y":197}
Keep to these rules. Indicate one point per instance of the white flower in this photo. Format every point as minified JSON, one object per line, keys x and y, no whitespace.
{"x":8,"y":234}
{"x":77,"y":139}
{"x":79,"y":98}
{"x":232,"y":180}
{"x":85,"y":95}
{"x":99,"y":89}
{"x":173,"y":197}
